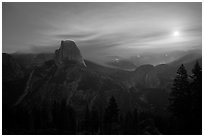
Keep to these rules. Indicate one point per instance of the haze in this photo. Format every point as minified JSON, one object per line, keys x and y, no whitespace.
{"x":103,"y":30}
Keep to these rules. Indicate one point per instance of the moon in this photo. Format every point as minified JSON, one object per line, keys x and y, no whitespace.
{"x":176,"y":33}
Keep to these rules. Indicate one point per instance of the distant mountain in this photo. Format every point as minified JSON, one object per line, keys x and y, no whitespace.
{"x":146,"y":76}
{"x":186,"y":59}
{"x":28,"y":61}
{"x":161,"y":76}
{"x":155,"y":58}
{"x":122,"y":64}
{"x":68,"y":77}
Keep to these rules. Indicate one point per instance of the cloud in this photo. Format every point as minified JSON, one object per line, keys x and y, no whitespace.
{"x":43,"y":49}
{"x":76,"y":35}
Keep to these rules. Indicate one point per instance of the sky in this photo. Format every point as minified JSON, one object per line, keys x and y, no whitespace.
{"x":102,"y":30}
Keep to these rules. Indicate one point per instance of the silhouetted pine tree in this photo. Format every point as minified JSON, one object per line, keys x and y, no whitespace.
{"x":86,"y":123}
{"x":135,"y":121}
{"x":196,"y":89}
{"x":64,"y":118}
{"x":36,"y":118}
{"x":111,"y":122}
{"x":122,"y":124}
{"x":128,"y":124}
{"x":71,"y":120}
{"x":180,"y":94}
{"x":22,"y":118}
{"x":56,"y":115}
{"x":94,"y":121}
{"x":181,"y":102}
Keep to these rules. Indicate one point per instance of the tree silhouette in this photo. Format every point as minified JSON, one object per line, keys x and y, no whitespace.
{"x":94,"y":121}
{"x":128,"y":124}
{"x":56,"y":115}
{"x":64,"y":118}
{"x":87,"y":118}
{"x":135,"y":121}
{"x":111,"y":117}
{"x":181,"y":101}
{"x":186,"y":100}
{"x":196,"y":89}
{"x":180,"y":94}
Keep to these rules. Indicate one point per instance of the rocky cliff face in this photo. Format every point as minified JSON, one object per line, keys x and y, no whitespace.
{"x":68,"y":52}
{"x":146,"y":76}
{"x":66,"y":78}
